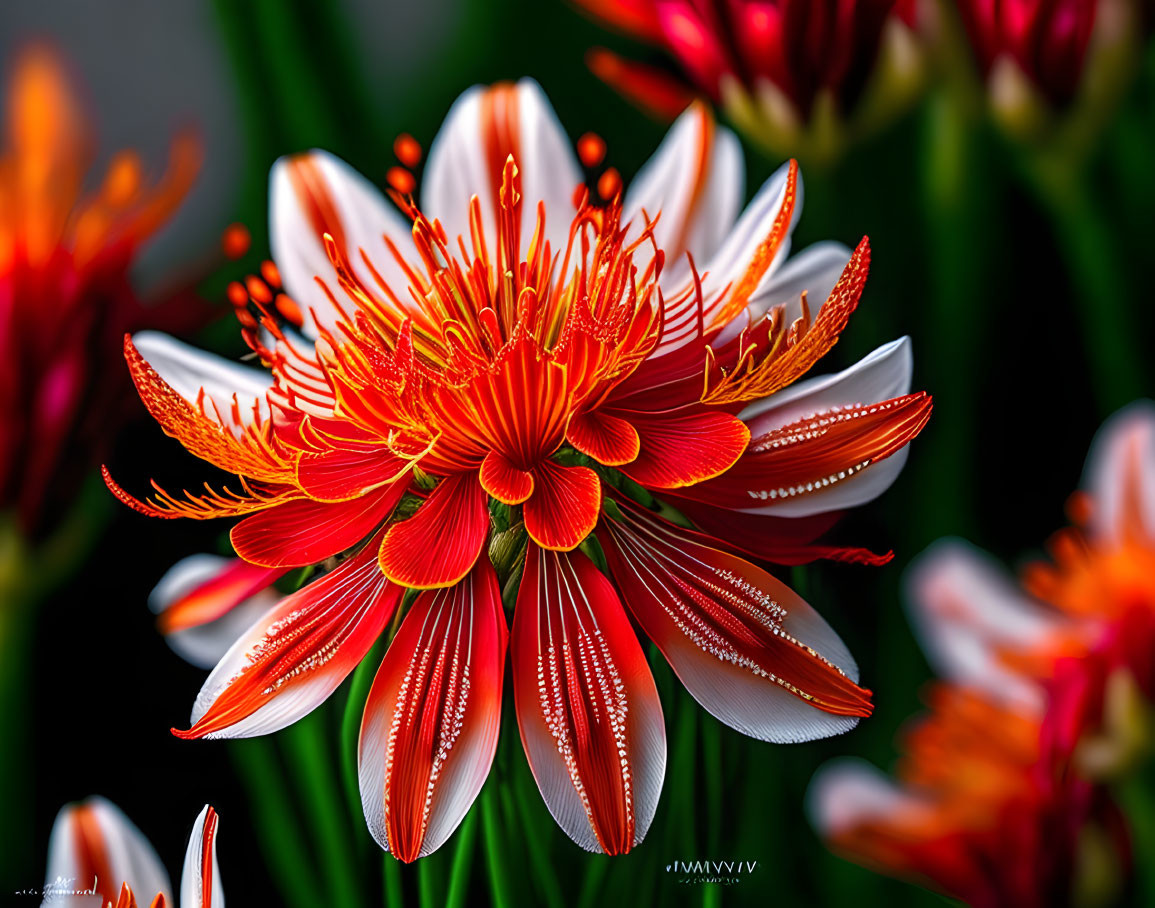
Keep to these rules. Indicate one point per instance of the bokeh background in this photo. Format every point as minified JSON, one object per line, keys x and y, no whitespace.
{"x":966,"y":260}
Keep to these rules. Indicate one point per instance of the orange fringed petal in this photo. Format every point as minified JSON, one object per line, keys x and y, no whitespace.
{"x":254,"y":453}
{"x":565,"y":505}
{"x":684,"y":449}
{"x":608,"y":439}
{"x":209,"y":506}
{"x":795,"y":349}
{"x":765,"y":254}
{"x":438,"y":545}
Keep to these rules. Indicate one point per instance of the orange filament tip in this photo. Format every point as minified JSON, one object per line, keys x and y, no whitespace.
{"x":235,"y":241}
{"x":591,"y":149}
{"x":237,"y":294}
{"x":270,"y":273}
{"x":407,"y":149}
{"x":290,"y":310}
{"x":258,"y":289}
{"x":1079,"y":508}
{"x":610,"y":184}
{"x":401,"y":180}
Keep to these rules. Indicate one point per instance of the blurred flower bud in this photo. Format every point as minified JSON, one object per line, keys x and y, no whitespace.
{"x":1044,"y":59}
{"x":799,"y":77}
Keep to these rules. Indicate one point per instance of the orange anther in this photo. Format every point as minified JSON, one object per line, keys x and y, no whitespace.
{"x":591,"y":149}
{"x":270,"y":273}
{"x":290,"y":310}
{"x":237,"y":294}
{"x":609,"y":184}
{"x":401,"y":180}
{"x":235,"y":241}
{"x":407,"y":149}
{"x":258,"y":289}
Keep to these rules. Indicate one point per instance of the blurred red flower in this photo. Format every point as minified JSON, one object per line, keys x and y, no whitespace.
{"x":769,"y":62}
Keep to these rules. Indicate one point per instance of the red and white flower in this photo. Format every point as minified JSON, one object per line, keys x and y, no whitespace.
{"x":97,"y":858}
{"x":510,"y":394}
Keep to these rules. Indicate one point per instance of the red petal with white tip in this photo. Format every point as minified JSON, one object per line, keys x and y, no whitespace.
{"x":803,"y":467}
{"x":205,"y":602}
{"x":438,"y":545}
{"x":564,"y":507}
{"x":431,"y":721}
{"x":744,"y":645}
{"x":292,"y":660}
{"x":299,"y":533}
{"x":200,"y":884}
{"x":94,"y":844}
{"x":588,"y":711}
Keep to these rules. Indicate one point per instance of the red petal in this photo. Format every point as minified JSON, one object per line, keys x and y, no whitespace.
{"x":684,"y":448}
{"x":565,"y":505}
{"x":348,"y":471}
{"x":439,"y":544}
{"x":290,"y":662}
{"x":430,"y":727}
{"x":221,"y":593}
{"x":588,"y":711}
{"x":780,"y":540}
{"x":303,"y":532}
{"x":503,"y":480}
{"x":746,"y":646}
{"x":608,"y":439}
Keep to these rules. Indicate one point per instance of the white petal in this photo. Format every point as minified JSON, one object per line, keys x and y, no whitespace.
{"x":815,"y":270}
{"x":130,"y":857}
{"x":732,"y":259}
{"x":314,"y":193}
{"x":205,"y":645}
{"x":459,"y":167}
{"x":192,"y":885}
{"x":964,"y":609}
{"x":696,"y":182}
{"x":849,"y":791}
{"x":188,"y":370}
{"x":881,"y":375}
{"x":1120,"y":471}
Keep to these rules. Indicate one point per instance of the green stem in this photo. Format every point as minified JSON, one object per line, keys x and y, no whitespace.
{"x":279,"y":837}
{"x":304,"y":747}
{"x":494,"y":854}
{"x":462,"y":862}
{"x":1104,"y":297}
{"x":959,"y":243}
{"x":536,"y":839}
{"x":391,"y":875}
{"x":359,"y":685}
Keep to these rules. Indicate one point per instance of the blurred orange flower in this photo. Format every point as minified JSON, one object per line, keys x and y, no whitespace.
{"x":65,"y":295}
{"x":1048,"y":694}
